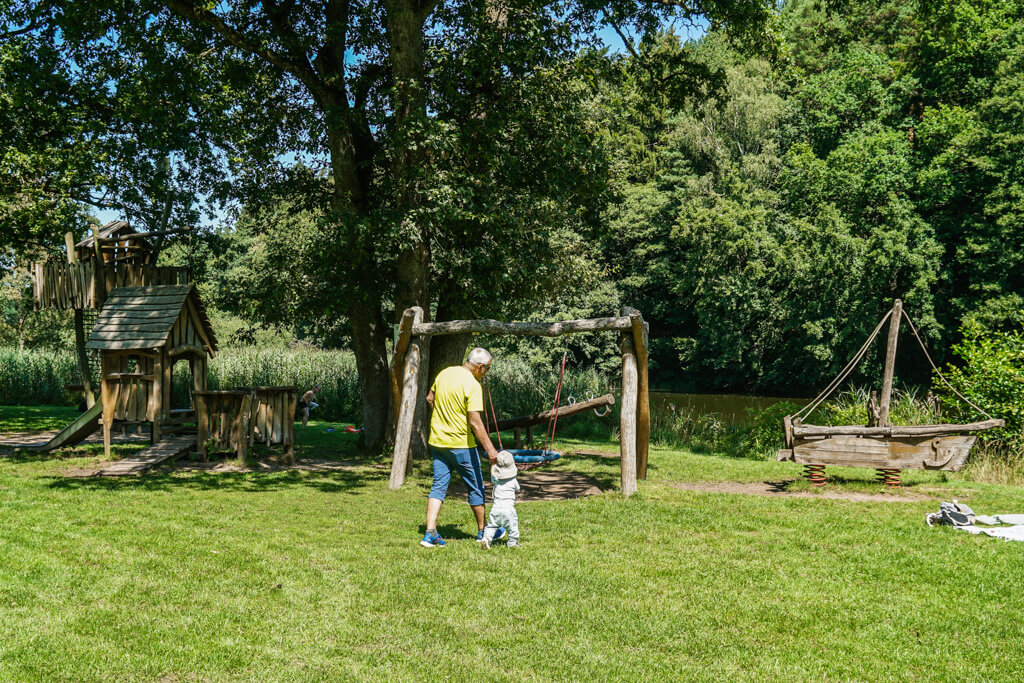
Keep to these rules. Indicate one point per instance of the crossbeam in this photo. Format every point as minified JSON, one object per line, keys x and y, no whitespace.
{"x":538,"y":329}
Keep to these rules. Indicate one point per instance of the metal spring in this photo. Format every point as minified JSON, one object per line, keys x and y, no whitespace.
{"x":888,"y":476}
{"x":816,"y":474}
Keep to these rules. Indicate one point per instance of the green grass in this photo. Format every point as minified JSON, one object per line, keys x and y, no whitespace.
{"x":23,"y":418}
{"x":318,"y":576}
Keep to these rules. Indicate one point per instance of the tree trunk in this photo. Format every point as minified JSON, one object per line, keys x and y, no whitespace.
{"x":404,"y":24}
{"x":368,"y":341}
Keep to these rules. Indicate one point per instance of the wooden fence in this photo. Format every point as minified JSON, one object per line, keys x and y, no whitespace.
{"x":67,"y":286}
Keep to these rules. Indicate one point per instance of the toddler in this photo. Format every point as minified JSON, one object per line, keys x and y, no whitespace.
{"x":503,"y":509}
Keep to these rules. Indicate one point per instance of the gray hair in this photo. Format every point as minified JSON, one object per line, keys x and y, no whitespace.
{"x":479,"y":356}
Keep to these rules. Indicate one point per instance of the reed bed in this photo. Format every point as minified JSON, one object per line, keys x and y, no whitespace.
{"x":34,"y":377}
{"x":333,"y":370}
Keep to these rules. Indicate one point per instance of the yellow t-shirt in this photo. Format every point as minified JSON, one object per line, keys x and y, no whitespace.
{"x":456,"y":392}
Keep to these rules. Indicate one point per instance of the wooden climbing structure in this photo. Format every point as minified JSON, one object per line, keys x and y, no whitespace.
{"x":233,"y":420}
{"x":113,"y":256}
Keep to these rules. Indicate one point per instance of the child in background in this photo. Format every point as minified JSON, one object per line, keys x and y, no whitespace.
{"x":306,"y":403}
{"x":503,"y":507}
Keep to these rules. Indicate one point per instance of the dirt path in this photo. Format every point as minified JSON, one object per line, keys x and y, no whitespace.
{"x":781,"y":489}
{"x":10,"y":441}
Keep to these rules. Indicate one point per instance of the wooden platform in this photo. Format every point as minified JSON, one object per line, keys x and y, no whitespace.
{"x":165,"y":450}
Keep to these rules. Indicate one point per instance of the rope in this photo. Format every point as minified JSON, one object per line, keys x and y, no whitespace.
{"x":843,"y":374}
{"x":490,"y":402}
{"x":930,"y":362}
{"x":554,"y":408}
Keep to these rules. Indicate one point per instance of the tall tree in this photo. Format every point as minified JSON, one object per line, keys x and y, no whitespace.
{"x":447,"y":131}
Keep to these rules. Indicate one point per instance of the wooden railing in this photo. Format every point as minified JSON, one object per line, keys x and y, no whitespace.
{"x":66,"y":286}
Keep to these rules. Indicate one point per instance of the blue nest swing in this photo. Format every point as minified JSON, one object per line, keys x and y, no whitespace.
{"x":524,"y":456}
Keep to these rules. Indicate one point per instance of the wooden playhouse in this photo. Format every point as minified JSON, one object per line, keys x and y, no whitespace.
{"x":140,"y":334}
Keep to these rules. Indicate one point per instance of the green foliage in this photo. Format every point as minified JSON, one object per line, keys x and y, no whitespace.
{"x":334,"y":371}
{"x":22,"y":326}
{"x":991,"y":375}
{"x":32,"y":377}
{"x":850,"y":407}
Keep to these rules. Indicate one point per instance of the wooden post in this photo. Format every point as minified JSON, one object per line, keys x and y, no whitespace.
{"x":398,"y":360}
{"x":107,"y":397}
{"x":157,"y":393}
{"x":79,"y":315}
{"x":288,"y":419}
{"x":240,"y":428}
{"x":99,"y":276}
{"x":403,"y":428}
{"x":890,"y":362}
{"x":202,"y":426}
{"x":627,"y":416}
{"x":643,"y":401}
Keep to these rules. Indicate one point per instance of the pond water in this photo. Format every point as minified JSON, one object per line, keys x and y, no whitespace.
{"x":733,"y":408}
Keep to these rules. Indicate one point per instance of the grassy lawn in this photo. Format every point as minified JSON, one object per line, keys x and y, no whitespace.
{"x":302,"y":575}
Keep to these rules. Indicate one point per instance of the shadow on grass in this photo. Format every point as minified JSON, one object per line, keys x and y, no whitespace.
{"x":450,"y":531}
{"x":35,"y":418}
{"x":335,"y":481}
{"x":27,"y":455}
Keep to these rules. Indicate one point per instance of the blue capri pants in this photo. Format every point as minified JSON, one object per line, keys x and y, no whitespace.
{"x":467,"y":462}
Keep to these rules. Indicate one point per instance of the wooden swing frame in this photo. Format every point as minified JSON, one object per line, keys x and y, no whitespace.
{"x":634,"y":415}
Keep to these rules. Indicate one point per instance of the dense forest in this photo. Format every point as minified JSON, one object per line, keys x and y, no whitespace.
{"x":761,"y":193}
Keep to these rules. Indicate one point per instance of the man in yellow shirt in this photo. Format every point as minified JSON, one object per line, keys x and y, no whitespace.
{"x":457,"y":401}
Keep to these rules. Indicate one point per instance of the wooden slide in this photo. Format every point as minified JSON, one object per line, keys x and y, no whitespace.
{"x":76,"y":432}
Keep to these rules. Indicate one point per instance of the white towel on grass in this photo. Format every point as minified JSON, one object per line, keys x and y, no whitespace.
{"x":999,"y":519}
{"x":1009,"y":533}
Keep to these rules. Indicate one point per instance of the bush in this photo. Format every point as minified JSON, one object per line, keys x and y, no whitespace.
{"x":992,"y":377}
{"x":33,"y":377}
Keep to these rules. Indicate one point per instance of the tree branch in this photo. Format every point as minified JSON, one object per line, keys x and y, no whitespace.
{"x":301,"y":68}
{"x":32,"y":26}
{"x":330,"y":61}
{"x":625,"y":39}
{"x":43,"y":9}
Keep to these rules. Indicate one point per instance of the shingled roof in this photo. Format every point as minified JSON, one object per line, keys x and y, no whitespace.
{"x":144,"y":317}
{"x":115,"y":229}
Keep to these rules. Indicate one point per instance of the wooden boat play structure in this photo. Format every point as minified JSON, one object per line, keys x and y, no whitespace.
{"x":881,"y":445}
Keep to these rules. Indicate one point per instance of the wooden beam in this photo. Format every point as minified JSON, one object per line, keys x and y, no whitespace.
{"x":156,"y":233}
{"x":186,"y":348}
{"x":398,"y":360}
{"x":562,"y":411}
{"x":627,"y":416}
{"x":404,"y":423}
{"x":539,"y":329}
{"x":79,"y":318}
{"x":890,"y":362}
{"x":802,"y":430}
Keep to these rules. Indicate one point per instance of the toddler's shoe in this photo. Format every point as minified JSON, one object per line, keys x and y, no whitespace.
{"x":434,"y":541}
{"x":513,"y":544}
{"x":500,"y":533}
